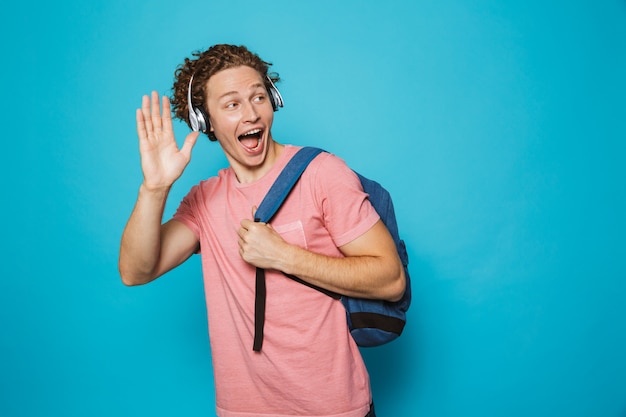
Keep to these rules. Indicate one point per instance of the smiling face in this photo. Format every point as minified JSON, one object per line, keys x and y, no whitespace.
{"x":241,"y":116}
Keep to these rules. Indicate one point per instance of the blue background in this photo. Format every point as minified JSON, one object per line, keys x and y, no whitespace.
{"x":498,"y":127}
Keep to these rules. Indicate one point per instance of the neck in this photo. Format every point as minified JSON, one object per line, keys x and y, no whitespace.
{"x":250,"y":173}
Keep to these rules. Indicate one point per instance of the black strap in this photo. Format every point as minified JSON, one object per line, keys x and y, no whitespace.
{"x":259,"y":309}
{"x":329,"y":293}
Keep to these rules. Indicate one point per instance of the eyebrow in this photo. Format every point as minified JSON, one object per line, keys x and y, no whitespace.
{"x":234,"y":93}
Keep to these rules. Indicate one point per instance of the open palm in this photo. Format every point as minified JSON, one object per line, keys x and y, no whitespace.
{"x":162,"y":161}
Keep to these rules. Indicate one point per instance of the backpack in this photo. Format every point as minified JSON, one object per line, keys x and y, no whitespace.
{"x":371,"y":322}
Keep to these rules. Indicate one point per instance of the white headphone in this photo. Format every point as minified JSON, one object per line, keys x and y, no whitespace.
{"x":199,"y":120}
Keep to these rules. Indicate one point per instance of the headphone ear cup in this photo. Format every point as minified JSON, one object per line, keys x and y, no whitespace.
{"x":202,"y":119}
{"x":204,"y":125}
{"x":194,"y":123}
{"x":275,"y":98}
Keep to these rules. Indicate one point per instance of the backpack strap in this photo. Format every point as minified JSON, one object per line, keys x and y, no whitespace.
{"x":264,"y":213}
{"x":284,"y":183}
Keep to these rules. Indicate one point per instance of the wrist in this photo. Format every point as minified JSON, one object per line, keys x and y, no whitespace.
{"x":158,"y":192}
{"x":291,"y":258}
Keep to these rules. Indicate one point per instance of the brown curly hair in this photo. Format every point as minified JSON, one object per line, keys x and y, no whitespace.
{"x":216,"y":58}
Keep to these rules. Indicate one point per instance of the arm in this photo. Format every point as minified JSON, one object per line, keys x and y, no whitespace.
{"x":370,"y":268}
{"x":149,"y":249}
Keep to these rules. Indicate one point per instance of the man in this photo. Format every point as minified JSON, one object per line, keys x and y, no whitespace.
{"x":326,"y":233}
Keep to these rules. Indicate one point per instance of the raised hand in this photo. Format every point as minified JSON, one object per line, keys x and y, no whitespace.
{"x":162,"y":161}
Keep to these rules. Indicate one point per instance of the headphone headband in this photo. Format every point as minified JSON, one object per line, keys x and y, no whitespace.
{"x":196,"y":116}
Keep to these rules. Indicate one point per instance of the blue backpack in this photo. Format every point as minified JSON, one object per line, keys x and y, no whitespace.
{"x":371,"y":322}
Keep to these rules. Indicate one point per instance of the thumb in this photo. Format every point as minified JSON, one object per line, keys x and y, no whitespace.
{"x":189,"y":143}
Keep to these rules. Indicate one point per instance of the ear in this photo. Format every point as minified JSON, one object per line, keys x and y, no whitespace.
{"x":210,"y":131}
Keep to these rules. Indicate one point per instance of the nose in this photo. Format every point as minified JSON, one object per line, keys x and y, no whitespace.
{"x":250,"y":113}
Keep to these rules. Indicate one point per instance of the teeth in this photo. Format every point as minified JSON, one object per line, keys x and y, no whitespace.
{"x":252,"y":132}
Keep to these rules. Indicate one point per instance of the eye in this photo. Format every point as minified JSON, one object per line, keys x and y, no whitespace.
{"x":231,"y":105}
{"x":260,"y":98}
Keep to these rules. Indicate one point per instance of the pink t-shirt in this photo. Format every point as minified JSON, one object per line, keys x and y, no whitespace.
{"x":309,"y":364}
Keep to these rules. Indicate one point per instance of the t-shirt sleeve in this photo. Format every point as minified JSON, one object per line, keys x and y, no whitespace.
{"x":346,"y":208}
{"x":186,"y":214}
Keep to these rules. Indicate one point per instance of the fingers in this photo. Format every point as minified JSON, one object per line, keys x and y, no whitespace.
{"x":259,"y":244}
{"x":166,"y":115}
{"x":141,"y":125}
{"x":144,"y":125}
{"x":154,"y":118}
{"x":246,"y":224}
{"x":145,"y":111}
{"x":251,"y":229}
{"x":155,"y":112}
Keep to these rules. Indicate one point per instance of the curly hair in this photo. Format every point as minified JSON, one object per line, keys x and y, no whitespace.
{"x":216,"y":58}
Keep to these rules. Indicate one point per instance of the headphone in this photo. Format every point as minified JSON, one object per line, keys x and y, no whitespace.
{"x":199,"y":120}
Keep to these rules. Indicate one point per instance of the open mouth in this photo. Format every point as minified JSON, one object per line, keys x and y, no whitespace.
{"x":252,"y":139}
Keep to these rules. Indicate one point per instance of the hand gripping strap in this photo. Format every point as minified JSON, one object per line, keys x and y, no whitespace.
{"x":264,"y":213}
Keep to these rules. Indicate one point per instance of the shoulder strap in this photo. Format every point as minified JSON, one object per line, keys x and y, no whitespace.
{"x":269,"y":206}
{"x":284,"y":183}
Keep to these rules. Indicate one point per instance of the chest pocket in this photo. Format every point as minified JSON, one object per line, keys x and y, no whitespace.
{"x":292,"y":233}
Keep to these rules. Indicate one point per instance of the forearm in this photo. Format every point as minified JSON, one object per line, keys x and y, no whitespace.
{"x":370,"y":267}
{"x":363,"y":276}
{"x":141,"y":239}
